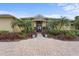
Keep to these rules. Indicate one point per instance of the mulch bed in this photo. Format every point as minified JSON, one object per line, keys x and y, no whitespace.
{"x":10,"y":37}
{"x":7,"y":37}
{"x":64,"y":38}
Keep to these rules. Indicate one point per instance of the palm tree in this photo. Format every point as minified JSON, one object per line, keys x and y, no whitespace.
{"x":76,"y":22}
{"x":52,"y":24}
{"x":63,"y":22}
{"x":26,"y":25}
{"x":58,"y":24}
{"x":16,"y":23}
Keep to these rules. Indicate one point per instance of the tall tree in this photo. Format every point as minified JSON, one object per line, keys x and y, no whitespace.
{"x":76,"y":22}
{"x":63,"y":22}
{"x":26,"y":25}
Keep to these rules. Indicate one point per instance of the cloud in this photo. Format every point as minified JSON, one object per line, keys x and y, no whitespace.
{"x":70,"y":7}
{"x":24,"y":16}
{"x":14,"y":14}
{"x":53,"y":16}
{"x":27,"y":15}
{"x":62,"y":4}
{"x":5,"y":12}
{"x":59,"y":16}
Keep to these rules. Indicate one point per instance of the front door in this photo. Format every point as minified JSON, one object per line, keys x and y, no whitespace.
{"x":38,"y":26}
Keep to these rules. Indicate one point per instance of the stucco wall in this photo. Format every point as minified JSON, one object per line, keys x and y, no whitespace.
{"x":44,"y":24}
{"x":34,"y":23}
{"x":5,"y":23}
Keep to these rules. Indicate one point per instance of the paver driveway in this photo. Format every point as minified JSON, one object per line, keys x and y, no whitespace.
{"x":40,"y":46}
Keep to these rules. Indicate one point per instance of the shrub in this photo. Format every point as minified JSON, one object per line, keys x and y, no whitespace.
{"x":22,"y":34}
{"x":10,"y":36}
{"x":77,"y":32}
{"x":3,"y":32}
{"x":70,"y":34}
{"x":64,"y":34}
{"x":54,"y":32}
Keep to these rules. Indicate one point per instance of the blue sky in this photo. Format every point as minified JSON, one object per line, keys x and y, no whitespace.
{"x":54,"y":10}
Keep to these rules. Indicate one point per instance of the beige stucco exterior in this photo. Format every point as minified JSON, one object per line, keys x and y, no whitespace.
{"x":6,"y":22}
{"x":39,"y":18}
{"x":43,"y":23}
{"x":34,"y":23}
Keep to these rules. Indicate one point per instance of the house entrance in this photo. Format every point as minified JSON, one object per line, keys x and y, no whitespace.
{"x":38,"y":26}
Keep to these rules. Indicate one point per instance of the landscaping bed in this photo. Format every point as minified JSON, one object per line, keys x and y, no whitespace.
{"x":67,"y":35}
{"x":10,"y":36}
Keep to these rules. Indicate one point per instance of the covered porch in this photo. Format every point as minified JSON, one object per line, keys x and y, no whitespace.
{"x":39,"y":25}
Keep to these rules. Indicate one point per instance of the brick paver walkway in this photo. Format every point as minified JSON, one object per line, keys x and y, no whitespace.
{"x":40,"y":46}
{"x":39,"y":37}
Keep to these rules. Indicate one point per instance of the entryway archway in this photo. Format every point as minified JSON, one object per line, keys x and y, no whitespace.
{"x":38,"y":26}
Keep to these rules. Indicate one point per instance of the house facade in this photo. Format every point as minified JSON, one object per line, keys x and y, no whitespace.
{"x":39,"y":23}
{"x":6,"y":22}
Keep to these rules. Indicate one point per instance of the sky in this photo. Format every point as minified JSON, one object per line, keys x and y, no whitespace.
{"x":54,"y":10}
